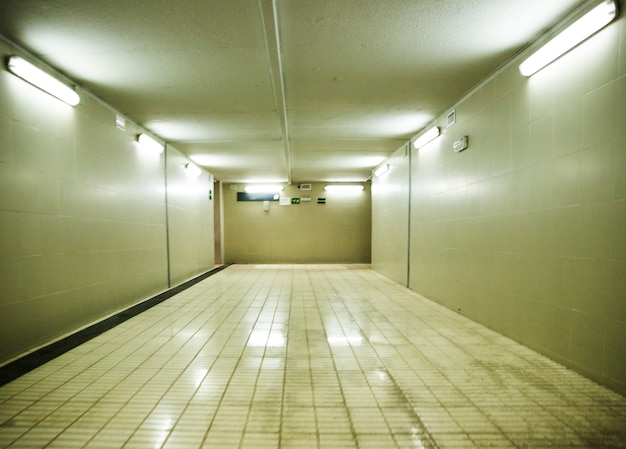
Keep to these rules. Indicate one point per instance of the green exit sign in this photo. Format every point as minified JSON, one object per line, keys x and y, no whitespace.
{"x":295,"y":200}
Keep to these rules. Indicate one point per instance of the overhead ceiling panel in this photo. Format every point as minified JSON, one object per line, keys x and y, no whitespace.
{"x":209,"y":128}
{"x":280,"y":89}
{"x":265,"y":158}
{"x":339,"y":160}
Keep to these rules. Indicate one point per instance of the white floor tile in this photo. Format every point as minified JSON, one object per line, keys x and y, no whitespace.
{"x":315,"y":356}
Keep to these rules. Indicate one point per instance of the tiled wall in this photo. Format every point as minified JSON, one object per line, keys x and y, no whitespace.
{"x":525,"y":231}
{"x":390,"y":223}
{"x":336,"y":232}
{"x":190,"y":219}
{"x":83,"y":217}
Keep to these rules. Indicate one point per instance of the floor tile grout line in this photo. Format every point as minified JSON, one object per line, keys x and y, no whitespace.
{"x":234,"y":369}
{"x":76,"y":394}
{"x":61,"y":368}
{"x":311,"y":382}
{"x":164,"y":442}
{"x":431,"y":436}
{"x":241,"y":441}
{"x":393,"y":381}
{"x":502,"y":432}
{"x":27,"y":362}
{"x":281,"y":428}
{"x":430,"y":389}
{"x":145,"y":383}
{"x":336,"y":372}
{"x":431,"y":361}
{"x":128,"y":375}
{"x":471,"y":401}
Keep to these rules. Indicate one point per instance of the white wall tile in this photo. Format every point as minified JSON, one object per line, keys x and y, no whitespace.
{"x":543,"y":246}
{"x":82,"y":215}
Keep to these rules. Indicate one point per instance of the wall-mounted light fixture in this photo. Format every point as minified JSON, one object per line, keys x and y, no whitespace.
{"x":587,"y":25}
{"x":192,"y":170}
{"x":120,"y":122}
{"x":43,"y":80}
{"x":427,"y":137}
{"x":264,"y":188}
{"x":381,"y":170}
{"x":345,"y":188}
{"x":150,"y":143}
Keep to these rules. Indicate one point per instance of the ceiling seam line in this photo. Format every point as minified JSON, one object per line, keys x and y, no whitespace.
{"x":272,"y":39}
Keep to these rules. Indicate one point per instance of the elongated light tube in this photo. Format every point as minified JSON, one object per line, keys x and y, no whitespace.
{"x":42,"y":80}
{"x":381,"y":170}
{"x":587,"y":25}
{"x":346,"y":188}
{"x":427,"y":137}
{"x":150,"y":143}
{"x":264,"y":188}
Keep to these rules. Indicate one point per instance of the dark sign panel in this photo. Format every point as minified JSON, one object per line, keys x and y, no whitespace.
{"x":249,"y":196}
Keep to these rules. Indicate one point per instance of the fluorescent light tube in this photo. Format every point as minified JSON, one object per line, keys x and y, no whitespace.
{"x":264,"y":188}
{"x":150,"y":143}
{"x":44,"y":81}
{"x":427,"y":137}
{"x":192,"y":169}
{"x":343,"y":188}
{"x":381,"y":170}
{"x":590,"y":23}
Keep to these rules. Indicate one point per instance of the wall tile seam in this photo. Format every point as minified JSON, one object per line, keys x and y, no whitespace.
{"x":597,"y":376}
{"x":470,"y":249}
{"x":545,"y":300}
{"x":596,"y":89}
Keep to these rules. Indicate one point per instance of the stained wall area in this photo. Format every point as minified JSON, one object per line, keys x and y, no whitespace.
{"x":338,"y":231}
{"x":84,"y":216}
{"x":525,"y":230}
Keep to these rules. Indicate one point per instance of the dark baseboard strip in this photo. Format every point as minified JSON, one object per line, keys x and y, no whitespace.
{"x":30,"y":361}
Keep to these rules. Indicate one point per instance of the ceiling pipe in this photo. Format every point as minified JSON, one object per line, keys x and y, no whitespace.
{"x":272,"y":39}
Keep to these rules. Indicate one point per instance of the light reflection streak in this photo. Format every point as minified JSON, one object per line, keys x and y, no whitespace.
{"x":200,"y":375}
{"x":341,"y":340}
{"x":166,"y":428}
{"x":267,"y":339}
{"x":382,"y":375}
{"x":416,"y":439}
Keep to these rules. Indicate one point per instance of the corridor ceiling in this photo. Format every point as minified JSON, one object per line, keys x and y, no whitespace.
{"x":279,"y":90}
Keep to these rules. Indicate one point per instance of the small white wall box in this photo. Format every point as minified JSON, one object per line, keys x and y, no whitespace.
{"x":460,"y":144}
{"x":451,"y":118}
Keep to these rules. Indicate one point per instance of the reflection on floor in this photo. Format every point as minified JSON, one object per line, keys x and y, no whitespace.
{"x":295,"y":356}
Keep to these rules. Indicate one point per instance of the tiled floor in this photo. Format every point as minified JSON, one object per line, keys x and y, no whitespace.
{"x":305,"y":357}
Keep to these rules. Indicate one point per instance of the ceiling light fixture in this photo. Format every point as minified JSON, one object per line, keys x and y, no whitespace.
{"x":192,"y":169}
{"x":346,"y":188}
{"x":427,"y":137}
{"x":264,"y":188}
{"x":150,"y":143}
{"x":381,"y":170}
{"x":43,"y":80}
{"x":587,"y":25}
